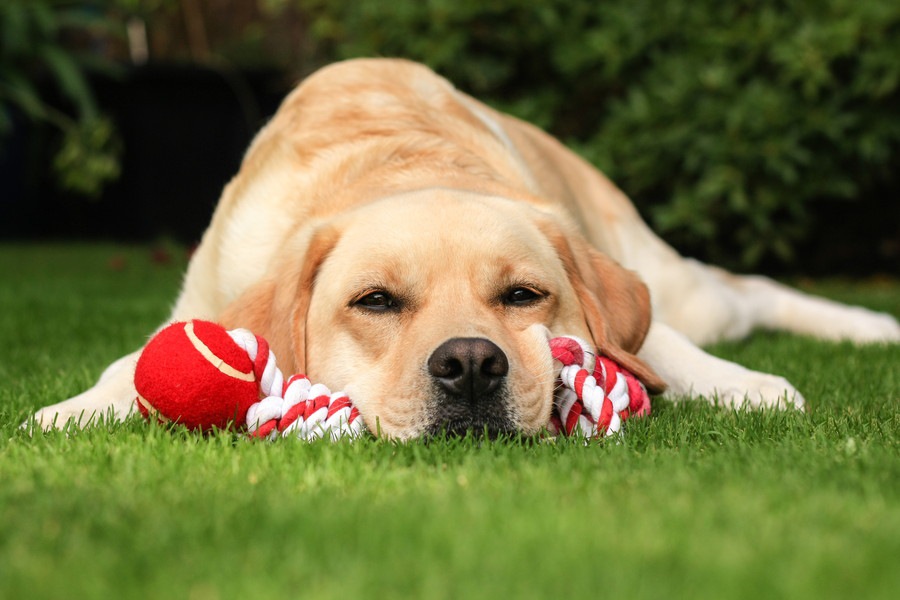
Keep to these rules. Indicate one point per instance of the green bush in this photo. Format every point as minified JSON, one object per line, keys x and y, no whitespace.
{"x":725,"y":121}
{"x":32,"y":52}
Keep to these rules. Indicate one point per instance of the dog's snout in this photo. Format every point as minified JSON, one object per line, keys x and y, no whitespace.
{"x":468,"y":368}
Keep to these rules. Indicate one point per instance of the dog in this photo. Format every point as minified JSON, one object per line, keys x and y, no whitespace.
{"x":396,"y":238}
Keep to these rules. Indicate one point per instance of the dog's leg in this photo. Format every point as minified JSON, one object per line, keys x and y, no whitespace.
{"x":112,"y":397}
{"x":709,"y":304}
{"x":774,"y":306}
{"x":689,"y":371}
{"x":698,"y":304}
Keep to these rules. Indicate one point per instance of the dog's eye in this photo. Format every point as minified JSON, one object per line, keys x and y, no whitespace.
{"x":521,"y":296}
{"x":377,"y":301}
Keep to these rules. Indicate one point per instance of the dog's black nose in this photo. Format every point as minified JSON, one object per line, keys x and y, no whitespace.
{"x":468,"y":368}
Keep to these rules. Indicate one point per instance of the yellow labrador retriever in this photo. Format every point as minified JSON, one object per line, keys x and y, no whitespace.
{"x":396,"y":238}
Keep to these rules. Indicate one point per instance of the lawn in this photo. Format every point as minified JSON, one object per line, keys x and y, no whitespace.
{"x":695,"y":502}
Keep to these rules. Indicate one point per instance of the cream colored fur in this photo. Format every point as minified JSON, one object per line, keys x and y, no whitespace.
{"x":380,"y":173}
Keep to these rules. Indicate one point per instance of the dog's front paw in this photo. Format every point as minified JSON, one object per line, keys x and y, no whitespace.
{"x":63,"y":417}
{"x":58,"y":417}
{"x":736,"y":387}
{"x":758,"y":390}
{"x":81,"y":411}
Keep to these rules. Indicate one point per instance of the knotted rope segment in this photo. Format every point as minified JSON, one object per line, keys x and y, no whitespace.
{"x":593,"y":397}
{"x":294,"y":407}
{"x":596,"y":394}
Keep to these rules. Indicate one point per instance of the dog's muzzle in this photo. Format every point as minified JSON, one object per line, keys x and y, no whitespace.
{"x":469,"y":376}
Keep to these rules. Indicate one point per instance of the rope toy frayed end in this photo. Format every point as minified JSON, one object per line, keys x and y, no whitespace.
{"x":200,"y":375}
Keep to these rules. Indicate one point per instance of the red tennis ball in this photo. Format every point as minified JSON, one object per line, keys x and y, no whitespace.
{"x":193,"y":373}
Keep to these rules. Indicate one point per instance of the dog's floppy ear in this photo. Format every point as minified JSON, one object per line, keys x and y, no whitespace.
{"x":616,"y":303}
{"x":276,"y":307}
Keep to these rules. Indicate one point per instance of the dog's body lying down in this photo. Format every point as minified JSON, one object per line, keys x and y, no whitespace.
{"x":395,"y":238}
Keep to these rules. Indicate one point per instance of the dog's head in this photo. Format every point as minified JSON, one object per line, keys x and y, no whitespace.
{"x":432,"y":310}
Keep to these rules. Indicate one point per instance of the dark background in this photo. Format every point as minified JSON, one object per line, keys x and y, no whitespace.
{"x":184,"y":130}
{"x":760,"y":136}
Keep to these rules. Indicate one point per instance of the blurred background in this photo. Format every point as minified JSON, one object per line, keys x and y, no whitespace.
{"x":760,"y":135}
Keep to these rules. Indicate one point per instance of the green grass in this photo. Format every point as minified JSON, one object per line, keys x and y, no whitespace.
{"x":696,"y":502}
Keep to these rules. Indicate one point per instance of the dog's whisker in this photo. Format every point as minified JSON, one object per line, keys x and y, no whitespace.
{"x":541,"y":377}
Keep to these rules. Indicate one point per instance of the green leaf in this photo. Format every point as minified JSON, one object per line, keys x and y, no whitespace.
{"x":18,"y":90}
{"x":89,"y":157}
{"x":70,"y":79}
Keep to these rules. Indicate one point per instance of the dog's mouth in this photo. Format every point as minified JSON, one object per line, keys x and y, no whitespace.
{"x":471,"y":427}
{"x":490,"y":419}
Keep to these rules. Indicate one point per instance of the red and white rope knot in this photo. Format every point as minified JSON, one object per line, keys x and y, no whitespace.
{"x":296,"y":407}
{"x":595,"y":394}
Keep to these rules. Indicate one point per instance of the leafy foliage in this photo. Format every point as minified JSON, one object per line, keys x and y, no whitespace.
{"x":88,"y":157}
{"x":725,"y":121}
{"x":31,"y":50}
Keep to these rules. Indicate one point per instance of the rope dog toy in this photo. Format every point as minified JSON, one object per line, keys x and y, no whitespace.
{"x":596,"y":394}
{"x":199,"y":375}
